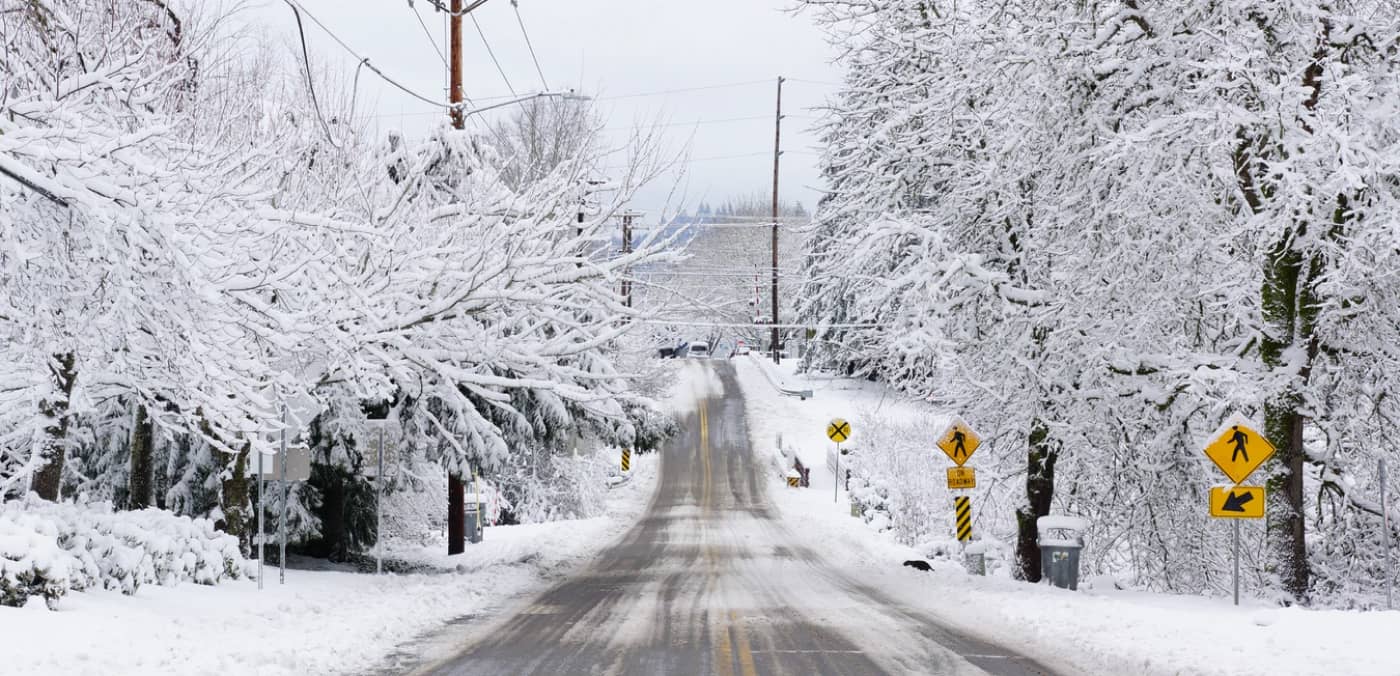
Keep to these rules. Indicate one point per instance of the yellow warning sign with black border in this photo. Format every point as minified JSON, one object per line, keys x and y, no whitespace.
{"x":1237,"y":502}
{"x":1238,"y":449}
{"x":962,"y":507}
{"x":961,"y":478}
{"x":959,"y":441}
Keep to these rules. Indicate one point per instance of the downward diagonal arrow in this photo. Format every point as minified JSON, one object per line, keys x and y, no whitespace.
{"x":1235,"y":502}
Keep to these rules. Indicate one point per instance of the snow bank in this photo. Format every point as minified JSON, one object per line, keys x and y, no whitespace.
{"x":321,"y":621}
{"x":48,"y":549}
{"x":1100,"y":629}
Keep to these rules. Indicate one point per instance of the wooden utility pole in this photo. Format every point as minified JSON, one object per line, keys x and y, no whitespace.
{"x":777,"y":153}
{"x":456,"y":498}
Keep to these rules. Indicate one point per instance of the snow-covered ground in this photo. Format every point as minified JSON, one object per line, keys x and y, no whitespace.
{"x":1095,"y":631}
{"x":320,"y":621}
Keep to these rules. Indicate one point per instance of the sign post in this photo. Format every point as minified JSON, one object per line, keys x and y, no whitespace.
{"x":1238,"y":449}
{"x":282,"y":516}
{"x":838,"y":430}
{"x":1385,"y":534}
{"x":379,"y":510}
{"x":959,"y":442}
{"x":262,"y":548}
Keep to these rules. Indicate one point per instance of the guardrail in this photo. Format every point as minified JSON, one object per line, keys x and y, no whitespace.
{"x":804,"y":395}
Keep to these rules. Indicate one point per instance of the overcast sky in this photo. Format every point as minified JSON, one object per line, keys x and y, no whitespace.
{"x":612,"y":49}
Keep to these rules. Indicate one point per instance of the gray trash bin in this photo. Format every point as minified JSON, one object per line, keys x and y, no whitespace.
{"x":1061,"y":541}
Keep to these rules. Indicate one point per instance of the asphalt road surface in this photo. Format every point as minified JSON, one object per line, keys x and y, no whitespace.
{"x":710,"y":582}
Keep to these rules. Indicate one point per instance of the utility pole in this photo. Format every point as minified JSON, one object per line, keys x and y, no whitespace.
{"x":777,"y":153}
{"x":456,"y":498}
{"x":627,"y":249}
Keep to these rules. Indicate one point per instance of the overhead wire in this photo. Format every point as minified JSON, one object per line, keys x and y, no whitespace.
{"x":310,"y":81}
{"x":431,"y":40}
{"x":492,"y":53}
{"x":530,"y":45}
{"x":359,"y":57}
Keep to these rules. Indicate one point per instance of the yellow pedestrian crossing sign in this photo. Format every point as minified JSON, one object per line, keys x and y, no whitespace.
{"x":1238,"y":449}
{"x":959,"y":441}
{"x":838,"y":430}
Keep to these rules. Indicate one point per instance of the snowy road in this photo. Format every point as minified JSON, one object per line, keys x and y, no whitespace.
{"x":710,"y":582}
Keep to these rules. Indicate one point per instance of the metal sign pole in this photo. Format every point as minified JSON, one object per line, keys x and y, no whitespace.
{"x":282,"y":517}
{"x":1236,"y":523}
{"x":1385,"y":533}
{"x":262,"y":553}
{"x":379,"y":510}
{"x":836,"y":480}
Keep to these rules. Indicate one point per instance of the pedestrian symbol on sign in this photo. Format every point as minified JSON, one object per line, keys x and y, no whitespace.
{"x":1241,"y":442}
{"x":959,"y":444}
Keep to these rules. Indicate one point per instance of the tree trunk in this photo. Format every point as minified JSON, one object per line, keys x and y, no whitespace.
{"x":139,"y":480}
{"x":53,"y":447}
{"x":1040,"y":488}
{"x":234,"y":499}
{"x":1289,"y":310}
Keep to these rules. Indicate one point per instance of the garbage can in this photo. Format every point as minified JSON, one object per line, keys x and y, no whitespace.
{"x":1061,"y":539}
{"x":476,"y":519}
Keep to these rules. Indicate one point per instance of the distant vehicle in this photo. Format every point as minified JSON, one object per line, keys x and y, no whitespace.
{"x":742,"y":349}
{"x":698,"y":350}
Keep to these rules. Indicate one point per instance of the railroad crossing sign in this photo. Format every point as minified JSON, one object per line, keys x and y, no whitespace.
{"x":1237,"y":449}
{"x":959,"y":441}
{"x":1237,"y":502}
{"x":961,"y":477}
{"x":838,"y":430}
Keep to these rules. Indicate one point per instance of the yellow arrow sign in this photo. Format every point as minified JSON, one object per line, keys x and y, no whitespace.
{"x":961,"y":477}
{"x":838,"y":430}
{"x":959,"y":441}
{"x":1238,"y":449}
{"x":1238,"y":502}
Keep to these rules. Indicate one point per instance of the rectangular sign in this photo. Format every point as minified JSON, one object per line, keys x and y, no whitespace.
{"x":1237,"y":502}
{"x":961,"y":477}
{"x":298,"y":464}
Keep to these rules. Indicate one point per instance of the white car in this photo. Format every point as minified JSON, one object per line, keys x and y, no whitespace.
{"x":698,"y":350}
{"x":742,"y":350}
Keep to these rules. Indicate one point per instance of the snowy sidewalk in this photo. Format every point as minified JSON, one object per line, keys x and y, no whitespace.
{"x":1097,"y":632}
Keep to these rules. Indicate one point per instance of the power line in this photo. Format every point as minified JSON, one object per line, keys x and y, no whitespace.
{"x":682,"y":90}
{"x":492,"y":53}
{"x":634,"y":95}
{"x":431,"y":39}
{"x":530,"y":45}
{"x":364,"y":59}
{"x":310,"y":81}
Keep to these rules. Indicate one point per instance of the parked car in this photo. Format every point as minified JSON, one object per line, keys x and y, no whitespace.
{"x":698,"y":350}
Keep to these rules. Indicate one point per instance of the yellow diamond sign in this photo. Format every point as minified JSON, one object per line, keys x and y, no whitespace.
{"x":959,"y":441}
{"x":1238,"y":449}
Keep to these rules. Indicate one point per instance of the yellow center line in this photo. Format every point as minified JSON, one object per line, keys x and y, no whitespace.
{"x":746,"y":663}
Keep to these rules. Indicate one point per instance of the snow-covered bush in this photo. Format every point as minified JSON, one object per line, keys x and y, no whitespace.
{"x":47,"y":549}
